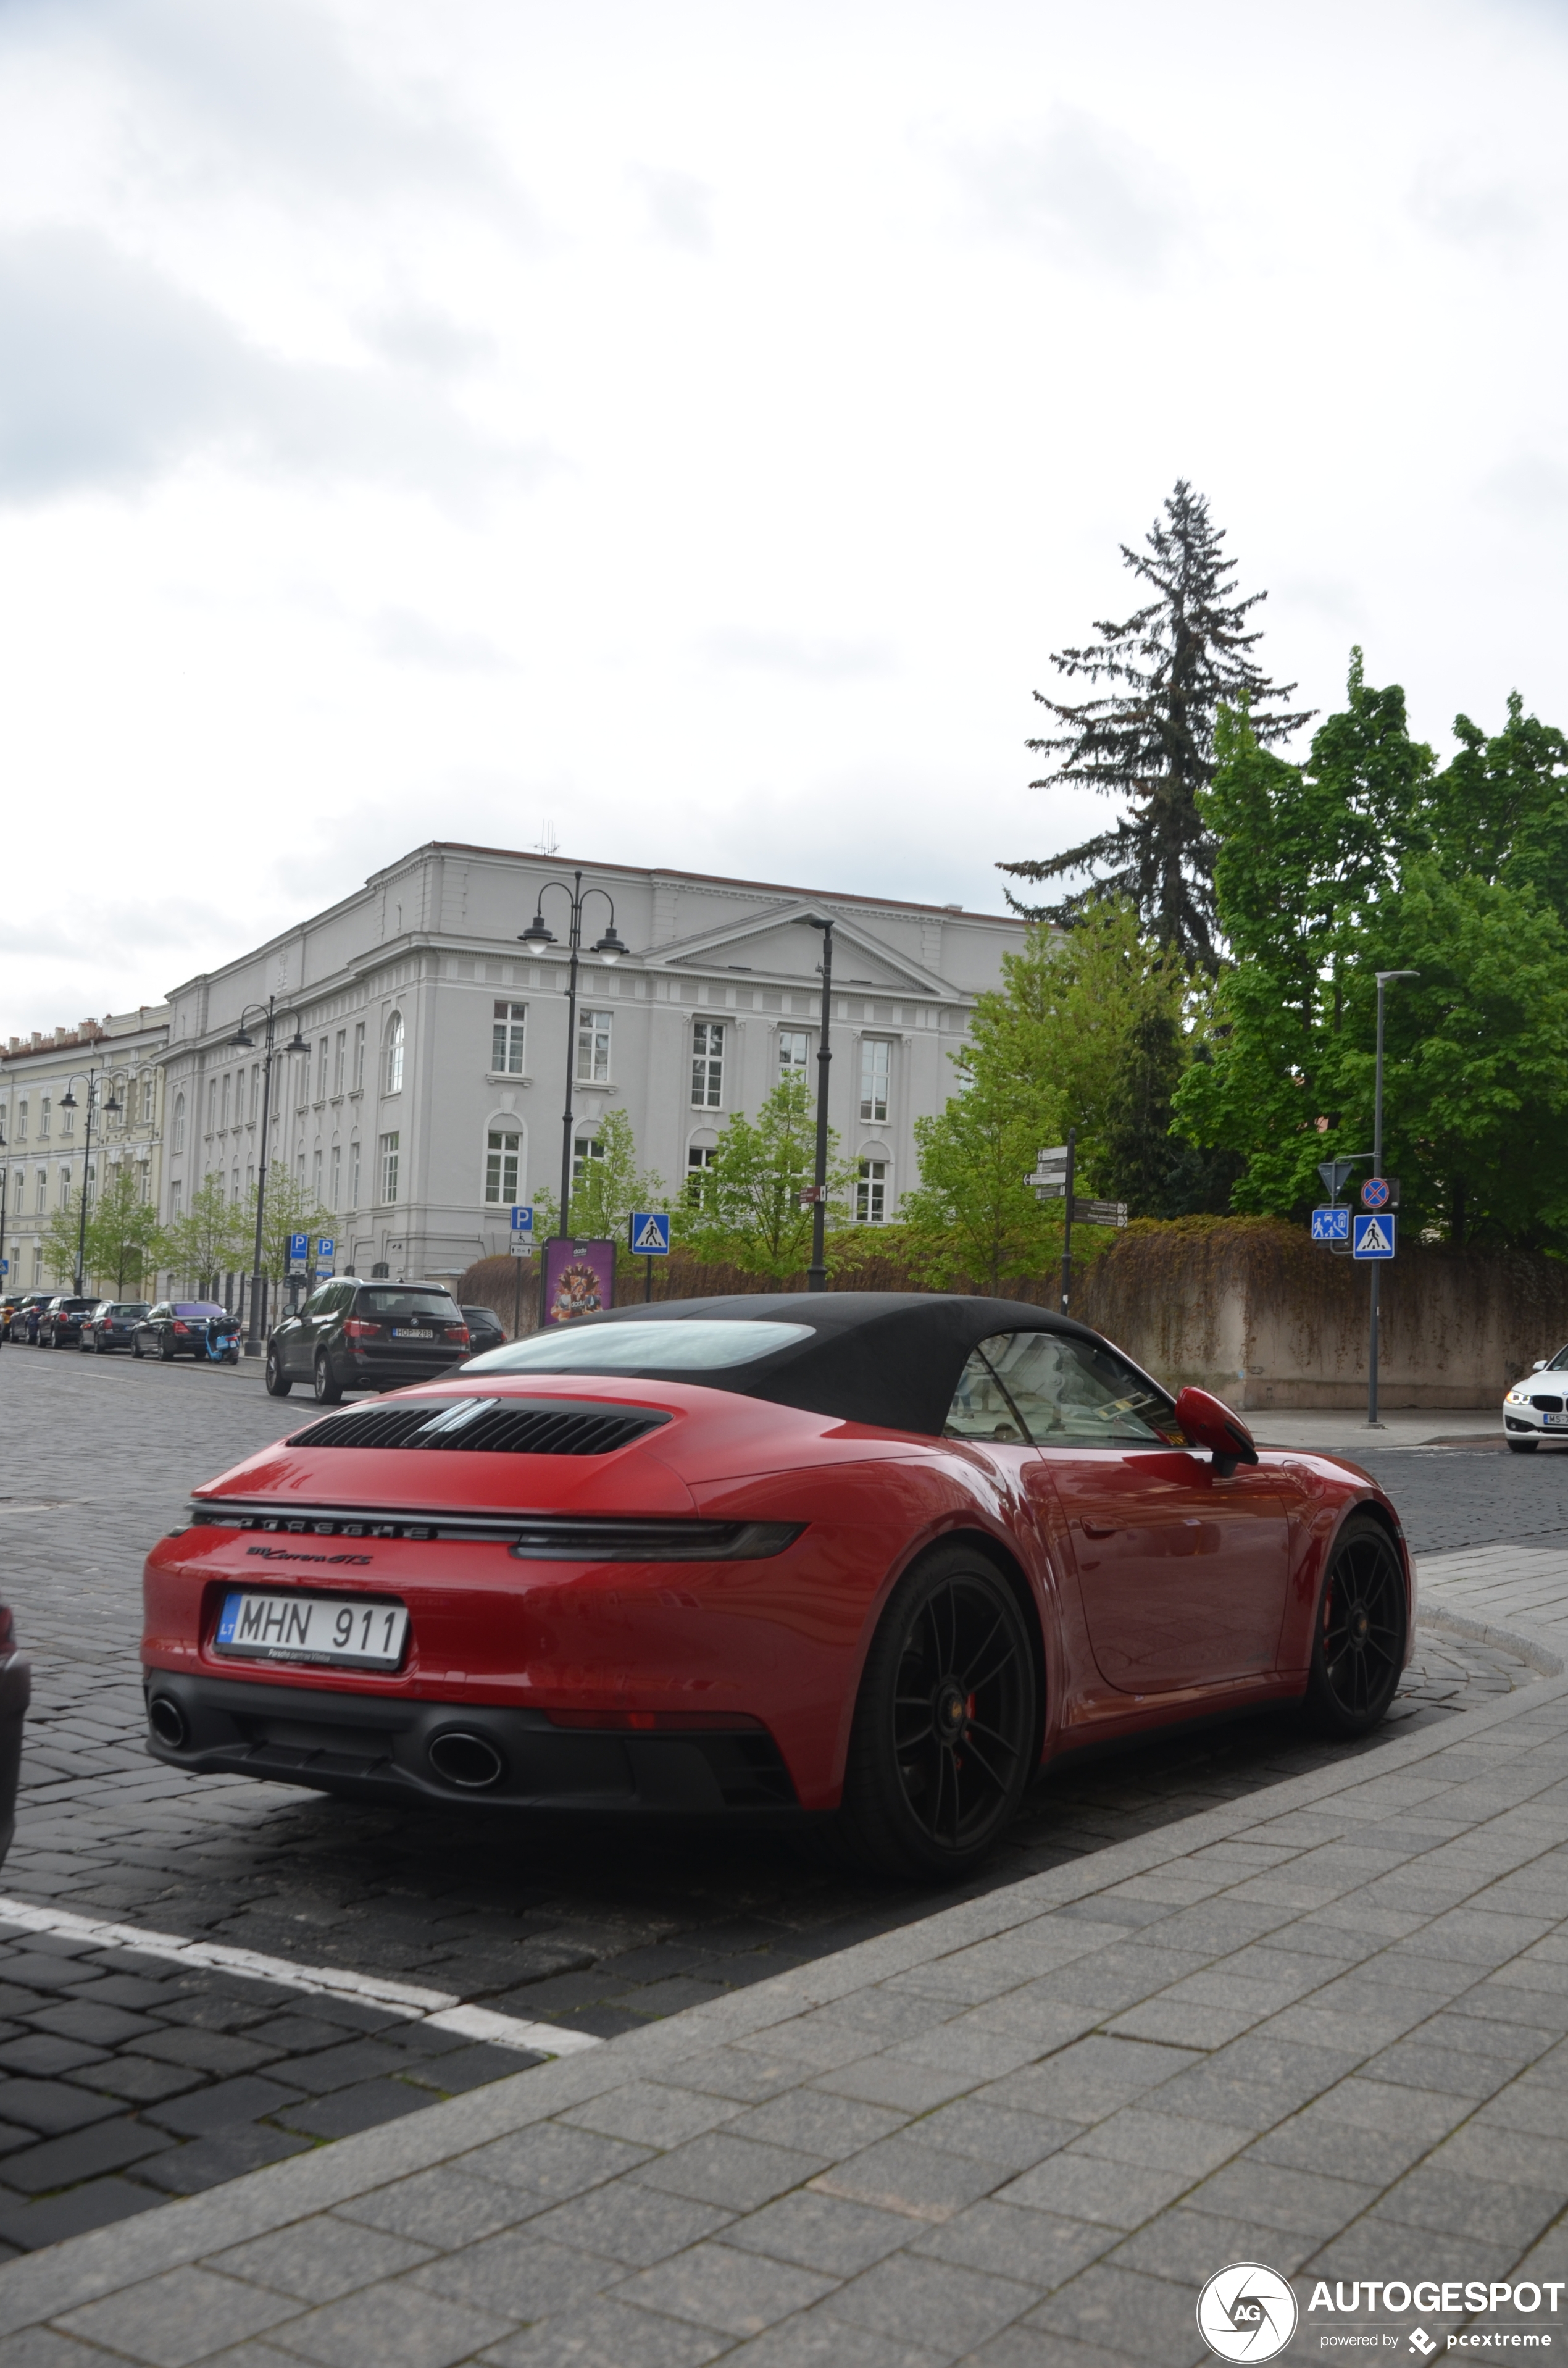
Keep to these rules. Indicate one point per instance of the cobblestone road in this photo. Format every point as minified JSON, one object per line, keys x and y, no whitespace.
{"x":123,"y":2080}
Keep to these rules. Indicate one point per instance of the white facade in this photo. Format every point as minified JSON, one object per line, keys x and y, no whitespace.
{"x":45,"y":1146}
{"x":433,"y":1093}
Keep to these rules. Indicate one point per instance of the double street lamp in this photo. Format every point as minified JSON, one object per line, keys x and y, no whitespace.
{"x":245,"y":1042}
{"x":68,"y":1101}
{"x":536,"y":937}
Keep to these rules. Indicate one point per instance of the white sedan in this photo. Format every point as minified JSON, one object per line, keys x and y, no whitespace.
{"x":1538,"y":1405}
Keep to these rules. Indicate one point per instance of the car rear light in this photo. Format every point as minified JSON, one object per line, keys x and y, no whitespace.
{"x":8,"y":1630}
{"x":356,"y":1329}
{"x":656,"y":1722}
{"x":182,"y":1327}
{"x":457,"y":1332}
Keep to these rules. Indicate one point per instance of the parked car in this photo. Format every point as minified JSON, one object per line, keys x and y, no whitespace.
{"x":25,"y":1316}
{"x":60,"y":1325}
{"x":367,"y":1336}
{"x":187,"y":1327}
{"x":1535,"y":1406}
{"x":111,"y":1325}
{"x":10,"y":1303}
{"x":486,"y":1329}
{"x":860,"y":1559}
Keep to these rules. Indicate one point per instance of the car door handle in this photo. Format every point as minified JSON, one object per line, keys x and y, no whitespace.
{"x":1098,"y":1528}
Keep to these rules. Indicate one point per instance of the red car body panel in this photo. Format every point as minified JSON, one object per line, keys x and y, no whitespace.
{"x":1161,"y":1590}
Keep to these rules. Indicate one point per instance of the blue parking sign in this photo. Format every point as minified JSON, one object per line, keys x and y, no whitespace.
{"x":325,"y":1244}
{"x":523,"y":1218}
{"x":300,"y":1247}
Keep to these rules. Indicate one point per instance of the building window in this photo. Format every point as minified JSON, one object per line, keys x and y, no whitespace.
{"x":871,"y":1192}
{"x":234,"y":1185}
{"x":66,"y":1188}
{"x":321,"y":1070}
{"x":226,"y":1101}
{"x":69,"y":1125}
{"x":43,"y":1119}
{"x":354,"y":1173}
{"x":90,"y":1180}
{"x":794,"y":1051}
{"x":358,"y":1057}
{"x":179,"y":1142}
{"x":389,"y":1166}
{"x":144,"y":1181}
{"x":335,"y":1172}
{"x":586,"y":1148}
{"x":391,"y":1081}
{"x":149,"y":1102}
{"x":40,"y":1193}
{"x":506,"y":1040}
{"x":593,"y":1048}
{"x":22,"y":1123}
{"x":175,"y":1188}
{"x":875,"y":1054}
{"x":339,"y":1057}
{"x":708,"y":1064}
{"x":255,"y":1092}
{"x":38,"y":1264}
{"x":315,"y":1174}
{"x":501,"y":1148}
{"x":299,"y":1170}
{"x":211,"y":1104}
{"x":699,"y":1158}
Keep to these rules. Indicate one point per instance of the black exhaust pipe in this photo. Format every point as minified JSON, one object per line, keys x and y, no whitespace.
{"x":469,"y":1761}
{"x":166,"y":1720}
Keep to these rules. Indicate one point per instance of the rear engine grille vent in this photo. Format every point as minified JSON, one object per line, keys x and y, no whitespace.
{"x":485,"y":1427}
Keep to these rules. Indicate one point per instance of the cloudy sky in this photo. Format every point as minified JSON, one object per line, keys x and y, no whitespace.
{"x":690,"y":429}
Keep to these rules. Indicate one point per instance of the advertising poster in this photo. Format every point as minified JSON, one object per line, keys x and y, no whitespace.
{"x":578,"y":1279}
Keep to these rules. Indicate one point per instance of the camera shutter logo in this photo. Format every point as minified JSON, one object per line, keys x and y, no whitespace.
{"x":1246,"y":2312}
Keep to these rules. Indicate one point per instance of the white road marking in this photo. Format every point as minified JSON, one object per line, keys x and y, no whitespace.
{"x":440,"y":2008}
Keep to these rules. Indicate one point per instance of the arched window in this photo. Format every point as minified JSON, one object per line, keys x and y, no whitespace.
{"x":587,"y":1148}
{"x":392,"y":1071}
{"x":502,"y":1164}
{"x":179,"y":1142}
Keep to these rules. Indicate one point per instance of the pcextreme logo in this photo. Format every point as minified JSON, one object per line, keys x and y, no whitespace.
{"x":1246,"y":2312}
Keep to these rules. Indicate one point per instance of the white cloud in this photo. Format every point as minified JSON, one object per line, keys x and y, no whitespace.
{"x":680,"y":208}
{"x":406,"y":639}
{"x":812,"y":658}
{"x":1081,"y":194}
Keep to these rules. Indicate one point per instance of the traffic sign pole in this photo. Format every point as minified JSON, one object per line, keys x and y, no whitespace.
{"x":1383,"y":978}
{"x":1067,"y":1221}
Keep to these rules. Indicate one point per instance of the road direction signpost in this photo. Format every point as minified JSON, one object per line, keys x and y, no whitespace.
{"x":649,"y":1234}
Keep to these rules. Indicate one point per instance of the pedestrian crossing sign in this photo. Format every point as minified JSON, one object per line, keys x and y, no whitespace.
{"x":1374,"y":1236}
{"x":651,"y":1233}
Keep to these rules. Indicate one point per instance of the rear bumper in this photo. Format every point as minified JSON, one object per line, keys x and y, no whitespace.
{"x":375,"y":1749}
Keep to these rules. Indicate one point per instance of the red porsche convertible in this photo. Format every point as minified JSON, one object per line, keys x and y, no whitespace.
{"x":871,"y":1557}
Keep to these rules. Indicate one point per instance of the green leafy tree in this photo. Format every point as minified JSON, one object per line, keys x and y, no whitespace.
{"x":972,"y":1218}
{"x":291,"y":1208}
{"x":61,"y":1236}
{"x":748,"y":1211}
{"x":125,"y":1241}
{"x":1149,"y":739}
{"x":209,"y":1239}
{"x":612,"y":1184}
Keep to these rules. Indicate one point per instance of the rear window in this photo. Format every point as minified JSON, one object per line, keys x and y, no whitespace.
{"x":435,"y":1306}
{"x":198,"y":1307}
{"x":69,"y":1306}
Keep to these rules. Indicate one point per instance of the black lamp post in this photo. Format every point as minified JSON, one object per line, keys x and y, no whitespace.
{"x":68,"y":1101}
{"x":816,"y":1273}
{"x":245,"y":1042}
{"x":4,"y":1192}
{"x":536,"y":937}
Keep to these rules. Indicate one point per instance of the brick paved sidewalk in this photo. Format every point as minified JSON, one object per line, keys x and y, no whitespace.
{"x":1321,"y":2028}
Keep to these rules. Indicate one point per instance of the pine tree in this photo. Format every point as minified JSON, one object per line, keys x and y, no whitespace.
{"x":1150,"y":739}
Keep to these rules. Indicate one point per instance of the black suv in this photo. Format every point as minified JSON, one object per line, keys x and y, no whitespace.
{"x":367,"y":1336}
{"x":60,"y":1325}
{"x":485,"y":1330}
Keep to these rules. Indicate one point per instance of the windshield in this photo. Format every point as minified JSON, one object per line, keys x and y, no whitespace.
{"x":695,"y":1348}
{"x":435,"y":1304}
{"x":1558,"y":1363}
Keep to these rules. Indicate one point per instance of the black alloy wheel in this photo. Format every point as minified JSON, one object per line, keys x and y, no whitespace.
{"x":947,"y":1727}
{"x":165,"y":1349}
{"x":136,"y":1346}
{"x":1358,"y":1642}
{"x":277,"y":1382}
{"x":329,"y":1389}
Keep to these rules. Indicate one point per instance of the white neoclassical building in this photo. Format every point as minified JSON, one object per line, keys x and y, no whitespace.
{"x":432,"y":1093}
{"x":47,"y":1160}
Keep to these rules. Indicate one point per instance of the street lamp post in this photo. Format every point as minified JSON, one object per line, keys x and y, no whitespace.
{"x":536,"y":937}
{"x":68,"y":1101}
{"x":816,"y":1273}
{"x":5,"y":1194}
{"x":245,"y":1042}
{"x":1383,"y":978}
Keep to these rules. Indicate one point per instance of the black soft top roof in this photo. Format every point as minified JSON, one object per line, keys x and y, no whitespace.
{"x":887,"y":1358}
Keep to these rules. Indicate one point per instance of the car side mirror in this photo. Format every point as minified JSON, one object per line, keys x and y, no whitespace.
{"x":1209,"y":1423}
{"x":1538,"y":1366}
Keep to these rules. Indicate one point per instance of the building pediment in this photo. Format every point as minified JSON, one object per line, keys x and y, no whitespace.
{"x":783,"y":944}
